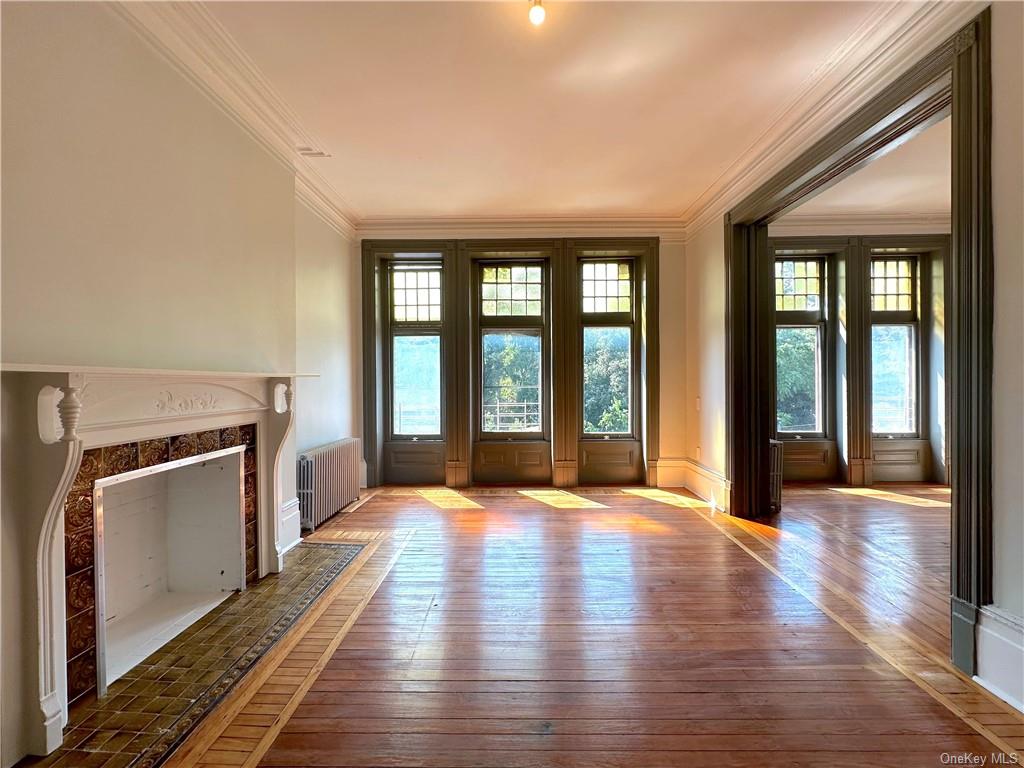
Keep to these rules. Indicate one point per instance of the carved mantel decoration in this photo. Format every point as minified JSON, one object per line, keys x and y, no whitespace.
{"x":96,"y":422}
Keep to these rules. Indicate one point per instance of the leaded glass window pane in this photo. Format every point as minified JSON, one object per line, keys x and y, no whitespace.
{"x":515,"y":290}
{"x":799,"y":285}
{"x":416,"y":293}
{"x":607,"y":287}
{"x":892,"y":285}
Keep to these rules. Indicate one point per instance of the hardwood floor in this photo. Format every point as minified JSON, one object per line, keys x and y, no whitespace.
{"x":644,"y":632}
{"x":887,"y":545}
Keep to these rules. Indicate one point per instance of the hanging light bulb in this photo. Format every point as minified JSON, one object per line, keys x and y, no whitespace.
{"x":537,"y":12}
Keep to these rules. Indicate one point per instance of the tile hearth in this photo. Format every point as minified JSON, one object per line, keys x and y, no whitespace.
{"x":149,"y":711}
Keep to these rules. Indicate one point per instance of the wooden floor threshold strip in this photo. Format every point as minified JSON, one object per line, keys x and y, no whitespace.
{"x":241,"y":730}
{"x":914,"y":660}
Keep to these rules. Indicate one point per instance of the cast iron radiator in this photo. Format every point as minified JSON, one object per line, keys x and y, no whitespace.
{"x":327,"y":479}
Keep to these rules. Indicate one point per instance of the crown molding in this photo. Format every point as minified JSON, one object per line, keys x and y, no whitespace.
{"x":309,"y":190}
{"x":668,"y":228}
{"x":199,"y":47}
{"x":925,"y":223}
{"x":898,"y":36}
{"x":195,"y":43}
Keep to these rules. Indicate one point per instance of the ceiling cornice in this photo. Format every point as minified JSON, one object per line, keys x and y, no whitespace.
{"x":668,"y":228}
{"x":310,"y":189}
{"x":897,"y":35}
{"x":796,"y":224}
{"x":198,"y":46}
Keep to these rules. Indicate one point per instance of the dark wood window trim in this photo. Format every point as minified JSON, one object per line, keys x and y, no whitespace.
{"x":923,"y":250}
{"x":824,"y":319}
{"x":613,"y":320}
{"x":539,"y":325}
{"x":381,"y":448}
{"x":392,"y":329}
{"x":953,"y":79}
{"x":849,"y":260}
{"x":563,"y":305}
{"x":912,"y":319}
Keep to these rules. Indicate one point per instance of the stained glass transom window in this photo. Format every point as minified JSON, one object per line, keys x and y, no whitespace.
{"x":416,"y":293}
{"x":892,"y":285}
{"x":513,"y":290}
{"x":798,"y":285}
{"x":606,"y":287}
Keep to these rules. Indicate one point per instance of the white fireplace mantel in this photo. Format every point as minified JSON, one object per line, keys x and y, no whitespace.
{"x":77,"y":408}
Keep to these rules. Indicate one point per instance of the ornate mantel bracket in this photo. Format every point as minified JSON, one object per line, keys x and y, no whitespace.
{"x":49,"y":562}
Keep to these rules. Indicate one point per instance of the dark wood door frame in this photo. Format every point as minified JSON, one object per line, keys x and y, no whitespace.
{"x":954,"y":78}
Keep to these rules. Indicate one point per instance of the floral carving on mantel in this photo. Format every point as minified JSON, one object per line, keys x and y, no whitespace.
{"x":167,"y":404}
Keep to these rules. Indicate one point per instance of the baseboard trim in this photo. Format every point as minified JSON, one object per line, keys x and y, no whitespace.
{"x":1000,"y":655}
{"x":708,"y":484}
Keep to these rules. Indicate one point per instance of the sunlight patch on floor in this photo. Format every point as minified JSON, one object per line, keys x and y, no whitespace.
{"x":446,"y":498}
{"x":625,"y":522}
{"x":562,"y":499}
{"x":666,"y":497}
{"x":898,"y":498}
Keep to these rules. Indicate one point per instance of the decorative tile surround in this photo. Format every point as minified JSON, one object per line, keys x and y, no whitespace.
{"x":148,"y":712}
{"x":80,"y":529}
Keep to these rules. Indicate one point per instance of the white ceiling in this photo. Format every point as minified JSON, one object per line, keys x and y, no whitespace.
{"x":916,"y":178}
{"x":465,"y":109}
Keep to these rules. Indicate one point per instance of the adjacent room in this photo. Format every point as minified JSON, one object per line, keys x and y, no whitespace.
{"x":511,"y":384}
{"x":862,"y":392}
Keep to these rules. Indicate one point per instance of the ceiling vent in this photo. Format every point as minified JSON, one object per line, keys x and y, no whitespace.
{"x":311,"y":152}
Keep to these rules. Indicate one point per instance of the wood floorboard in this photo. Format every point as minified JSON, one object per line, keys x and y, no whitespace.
{"x":517,"y":635}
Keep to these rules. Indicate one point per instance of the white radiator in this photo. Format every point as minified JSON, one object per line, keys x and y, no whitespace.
{"x":327,"y":479}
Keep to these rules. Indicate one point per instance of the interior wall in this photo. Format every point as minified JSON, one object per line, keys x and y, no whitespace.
{"x":148,"y":229}
{"x":673,"y":339}
{"x":17,"y":598}
{"x":327,"y":327}
{"x":1008,"y":369}
{"x":705,"y":319}
{"x":142,"y":228}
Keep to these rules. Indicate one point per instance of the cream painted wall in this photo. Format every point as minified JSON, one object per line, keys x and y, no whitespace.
{"x":17,"y":596}
{"x":673,"y":337}
{"x":328,"y":336}
{"x":141,"y":226}
{"x":705,"y":323}
{"x":1008,"y":351}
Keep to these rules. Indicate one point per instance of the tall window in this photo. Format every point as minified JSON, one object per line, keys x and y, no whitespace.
{"x":415,"y":322}
{"x":894,"y":341}
{"x":607,"y":293}
{"x":800,"y":345}
{"x":511,"y":348}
